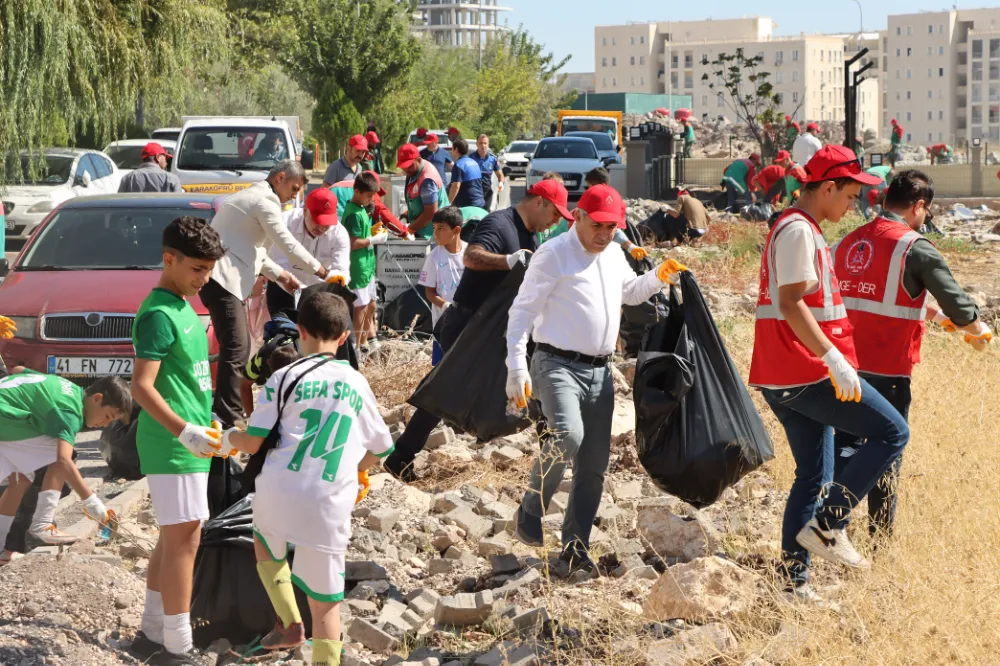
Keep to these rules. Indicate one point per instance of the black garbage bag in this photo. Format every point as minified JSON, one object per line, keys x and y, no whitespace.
{"x":224,"y":485}
{"x":697,"y":430}
{"x":410,"y":308}
{"x":228,"y":599}
{"x":757,"y":212}
{"x":118,"y":448}
{"x":638,"y":319}
{"x":476,"y":361}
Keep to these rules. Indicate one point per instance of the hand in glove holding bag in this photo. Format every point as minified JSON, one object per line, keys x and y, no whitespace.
{"x":638,"y":253}
{"x":669,"y":270}
{"x":518,"y":387}
{"x":94,"y":509}
{"x":845,"y":378}
{"x":519,"y":256}
{"x":202,"y":442}
{"x":337,"y":279}
{"x":227,"y":448}
{"x":379,"y":239}
{"x":978,"y":335}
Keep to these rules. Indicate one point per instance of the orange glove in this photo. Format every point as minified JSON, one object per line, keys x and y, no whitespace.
{"x":226,"y":449}
{"x":638,"y":253}
{"x":337,"y":279}
{"x":668,"y":270}
{"x":944,"y":322}
{"x":978,"y":335}
{"x":7,"y":328}
{"x":364,"y":484}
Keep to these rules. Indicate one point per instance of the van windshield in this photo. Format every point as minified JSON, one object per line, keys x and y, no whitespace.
{"x":231,"y":148}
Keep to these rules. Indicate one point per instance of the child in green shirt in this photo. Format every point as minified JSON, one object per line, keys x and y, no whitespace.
{"x":40,"y":416}
{"x":176,"y":439}
{"x":363,"y":242}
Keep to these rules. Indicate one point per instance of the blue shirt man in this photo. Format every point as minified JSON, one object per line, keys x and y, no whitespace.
{"x":466,"y":179}
{"x":436,"y":156}
{"x":488,"y":165}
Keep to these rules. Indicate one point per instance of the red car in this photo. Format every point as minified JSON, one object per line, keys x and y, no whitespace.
{"x":74,"y":289}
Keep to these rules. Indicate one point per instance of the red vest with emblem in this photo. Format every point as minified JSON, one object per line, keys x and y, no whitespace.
{"x":888,"y":323}
{"x":780,"y":360}
{"x":427,"y":170}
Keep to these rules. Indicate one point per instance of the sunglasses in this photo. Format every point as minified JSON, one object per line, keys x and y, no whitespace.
{"x":855,"y":161}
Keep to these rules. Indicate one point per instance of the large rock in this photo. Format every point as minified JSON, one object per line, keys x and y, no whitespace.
{"x":707,"y":588}
{"x":700,"y":645}
{"x":670,"y":535}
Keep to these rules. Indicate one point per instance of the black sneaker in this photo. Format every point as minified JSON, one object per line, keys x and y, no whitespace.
{"x":575,"y":555}
{"x":403,"y":471}
{"x":528,"y":529}
{"x":143,"y":647}
{"x":189,"y":658}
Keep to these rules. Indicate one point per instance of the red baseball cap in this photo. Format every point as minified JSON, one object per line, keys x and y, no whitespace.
{"x":787,"y":118}
{"x":407,"y":155}
{"x":152,"y":149}
{"x":812,"y":126}
{"x":359,"y":142}
{"x":372,"y":138}
{"x":378,"y":179}
{"x":893,"y":121}
{"x":421,"y":132}
{"x":453,"y":130}
{"x":431,"y":139}
{"x":782,"y":155}
{"x":755,"y":158}
{"x":603,"y":204}
{"x":832,"y":162}
{"x":555,"y":193}
{"x":322,"y":204}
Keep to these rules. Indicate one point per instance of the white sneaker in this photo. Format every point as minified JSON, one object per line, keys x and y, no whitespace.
{"x":804,"y":594}
{"x":50,"y":534}
{"x":833,"y":545}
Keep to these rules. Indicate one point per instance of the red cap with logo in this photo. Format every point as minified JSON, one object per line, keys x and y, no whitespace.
{"x":358,"y":142}
{"x":832,"y":162}
{"x":407,"y":155}
{"x":378,"y":179}
{"x":782,"y":155}
{"x":603,"y":204}
{"x":372,"y":138}
{"x":812,"y":126}
{"x":555,"y":193}
{"x":152,"y":149}
{"x":322,"y":204}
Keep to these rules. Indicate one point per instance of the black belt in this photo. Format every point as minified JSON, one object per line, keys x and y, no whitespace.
{"x":595,"y":361}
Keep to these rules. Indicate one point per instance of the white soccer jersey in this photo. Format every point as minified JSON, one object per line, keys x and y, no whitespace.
{"x":306,"y":490}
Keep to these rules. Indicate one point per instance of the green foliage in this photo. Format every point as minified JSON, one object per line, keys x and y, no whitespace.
{"x":335,"y":118}
{"x":747,"y":91}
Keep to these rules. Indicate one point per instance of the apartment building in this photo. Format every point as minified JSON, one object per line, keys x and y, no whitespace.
{"x":459,"y":22}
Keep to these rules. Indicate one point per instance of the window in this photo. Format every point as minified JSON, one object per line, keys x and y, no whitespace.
{"x":673,"y":60}
{"x":977,"y":48}
{"x":631,"y":40}
{"x":898,"y":96}
{"x":930,"y":115}
{"x":909,"y":137}
{"x":631,"y":61}
{"x":821,"y":55}
{"x":899,"y":52}
{"x":909,"y":51}
{"x":642,"y":39}
{"x":604,"y":82}
{"x":614,"y":42}
{"x":930,"y":73}
{"x":614,"y":61}
{"x":940,"y":50}
{"x":940,"y":93}
{"x":102,"y":165}
{"x":977,"y":71}
{"x":940,"y":136}
{"x":977,"y":115}
{"x":632,"y":81}
{"x":909,"y":73}
{"x":704,"y":101}
{"x":995,"y":48}
{"x":795,"y":77}
{"x":688,"y":80}
{"x":604,"y":41}
{"x":994,"y":114}
{"x":614,"y":82}
{"x":604,"y":62}
{"x":994,"y":70}
{"x":930,"y":30}
{"x":930,"y":50}
{"x":673,"y":80}
{"x":642,"y":80}
{"x":909,"y":30}
{"x":688,"y":60}
{"x":994,"y":92}
{"x":779,"y":78}
{"x":720,"y":100}
{"x":897,"y":73}
{"x":795,"y":98}
{"x":909,"y":94}
{"x":822,"y":76}
{"x":642,"y":60}
{"x":899,"y":31}
{"x":930,"y":94}
{"x":940,"y":115}
{"x":795,"y":55}
{"x":941,"y":72}
{"x":941,"y":29}
{"x":909,"y":116}
{"x":779,"y":57}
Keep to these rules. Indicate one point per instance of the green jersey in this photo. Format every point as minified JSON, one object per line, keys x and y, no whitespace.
{"x":36,"y":405}
{"x":880,"y":171}
{"x":559,"y":229}
{"x":359,"y":225}
{"x":168,"y":330}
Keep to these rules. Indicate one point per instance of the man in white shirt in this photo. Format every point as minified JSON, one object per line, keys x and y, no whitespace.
{"x":319,"y":231}
{"x":571,"y":299}
{"x":806,"y":145}
{"x":249,"y":223}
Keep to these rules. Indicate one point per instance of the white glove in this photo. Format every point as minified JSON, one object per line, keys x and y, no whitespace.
{"x":519,"y":256}
{"x":500,"y":187}
{"x":978,"y":335}
{"x":379,"y":238}
{"x":845,"y":378}
{"x":227,"y":448}
{"x":201,"y":441}
{"x":94,"y":508}
{"x":518,"y":387}
{"x":944,"y":322}
{"x":410,"y":237}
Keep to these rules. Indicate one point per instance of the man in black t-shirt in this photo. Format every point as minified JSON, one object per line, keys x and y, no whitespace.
{"x":500,"y":241}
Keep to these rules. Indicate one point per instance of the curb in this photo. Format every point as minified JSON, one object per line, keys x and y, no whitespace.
{"x":85,"y":528}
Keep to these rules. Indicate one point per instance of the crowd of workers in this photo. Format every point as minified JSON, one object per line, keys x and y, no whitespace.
{"x":838,"y":332}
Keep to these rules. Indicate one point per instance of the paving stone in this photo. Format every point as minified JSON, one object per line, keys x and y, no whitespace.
{"x":622,"y":490}
{"x":417,"y":500}
{"x":609,"y":515}
{"x":505,"y":456}
{"x":453,"y":553}
{"x":495,"y":509}
{"x":521,"y":655}
{"x":445,"y":539}
{"x":531,"y":621}
{"x":424,"y":603}
{"x":362,"y":606}
{"x":505,"y":564}
{"x":462,"y":610}
{"x":497,"y":545}
{"x":476,"y":527}
{"x":367,"y":570}
{"x":439,"y":438}
{"x":528,"y":579}
{"x":383,"y":520}
{"x":626,"y":547}
{"x":442,"y":566}
{"x":504,"y":525}
{"x":631,"y":562}
{"x":371,"y":637}
{"x":553,"y":521}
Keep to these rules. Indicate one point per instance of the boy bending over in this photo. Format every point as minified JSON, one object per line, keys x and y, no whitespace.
{"x":328,"y":432}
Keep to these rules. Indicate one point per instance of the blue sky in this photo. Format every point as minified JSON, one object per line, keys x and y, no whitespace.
{"x":566,"y":27}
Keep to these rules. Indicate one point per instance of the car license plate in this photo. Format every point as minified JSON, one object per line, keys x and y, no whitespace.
{"x":90,"y":366}
{"x":10,"y":224}
{"x":572,"y":184}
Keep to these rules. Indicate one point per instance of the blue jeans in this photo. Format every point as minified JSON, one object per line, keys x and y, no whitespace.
{"x":436,"y":353}
{"x":810,"y":414}
{"x":578,"y":402}
{"x":731,"y":194}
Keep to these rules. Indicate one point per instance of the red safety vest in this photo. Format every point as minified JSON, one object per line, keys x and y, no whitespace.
{"x":780,"y":360}
{"x":888,"y":323}
{"x":427,"y":170}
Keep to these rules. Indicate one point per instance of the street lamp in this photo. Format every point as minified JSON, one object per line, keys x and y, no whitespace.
{"x":586,"y":102}
{"x":861,"y":15}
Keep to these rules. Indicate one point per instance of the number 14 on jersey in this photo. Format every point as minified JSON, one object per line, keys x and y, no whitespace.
{"x":318,"y":438}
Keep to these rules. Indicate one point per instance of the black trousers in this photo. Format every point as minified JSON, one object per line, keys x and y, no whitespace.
{"x":488,"y":196}
{"x":883,"y":497}
{"x":278,"y":299}
{"x":233,"y":333}
{"x":414,"y":438}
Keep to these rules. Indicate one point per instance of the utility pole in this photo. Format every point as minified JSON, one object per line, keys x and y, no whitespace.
{"x":849,"y":112}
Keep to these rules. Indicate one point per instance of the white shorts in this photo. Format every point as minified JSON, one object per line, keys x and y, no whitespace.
{"x":320,"y":575}
{"x":26,"y":455}
{"x":365,"y":295}
{"x":179,"y":498}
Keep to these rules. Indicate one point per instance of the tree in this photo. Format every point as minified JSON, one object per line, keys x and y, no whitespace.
{"x":335,"y":118}
{"x":746,"y":90}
